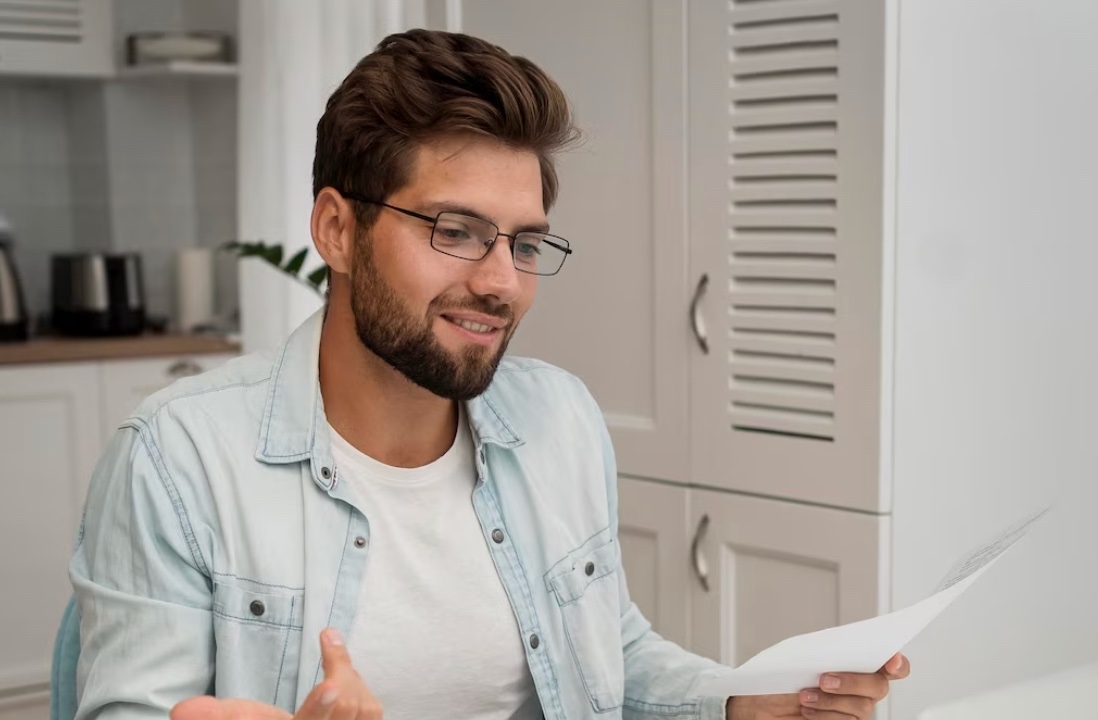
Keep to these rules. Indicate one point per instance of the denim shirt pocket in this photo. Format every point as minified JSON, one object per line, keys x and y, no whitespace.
{"x":585,"y":585}
{"x":258,"y":633}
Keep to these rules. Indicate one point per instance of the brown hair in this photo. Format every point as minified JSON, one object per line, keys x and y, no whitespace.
{"x":423,"y":84}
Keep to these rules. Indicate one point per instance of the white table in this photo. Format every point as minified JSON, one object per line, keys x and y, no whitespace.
{"x":1067,"y":695}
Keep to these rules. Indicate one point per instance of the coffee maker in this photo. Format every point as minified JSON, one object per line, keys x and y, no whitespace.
{"x":14,"y":322}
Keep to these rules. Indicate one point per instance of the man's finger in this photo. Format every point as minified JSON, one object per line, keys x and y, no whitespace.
{"x":825,"y":704}
{"x":333,"y":653}
{"x":897,"y":668}
{"x":209,"y":708}
{"x":869,"y":685}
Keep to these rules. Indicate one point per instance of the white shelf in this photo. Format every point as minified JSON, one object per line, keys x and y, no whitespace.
{"x":179,"y":68}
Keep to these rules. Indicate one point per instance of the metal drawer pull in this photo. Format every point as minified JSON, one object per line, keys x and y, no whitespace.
{"x":697,"y":322}
{"x":701,"y":569}
{"x":184,"y":368}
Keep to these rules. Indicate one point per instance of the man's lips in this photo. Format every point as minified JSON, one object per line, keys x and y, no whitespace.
{"x":479,"y":322}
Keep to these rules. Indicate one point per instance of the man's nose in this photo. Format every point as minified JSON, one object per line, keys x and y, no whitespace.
{"x":495,"y":275}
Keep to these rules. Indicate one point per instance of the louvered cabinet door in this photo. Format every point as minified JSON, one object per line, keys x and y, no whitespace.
{"x":66,"y":38}
{"x":786,"y":117}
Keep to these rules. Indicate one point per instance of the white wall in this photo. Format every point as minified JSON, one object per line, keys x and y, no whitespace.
{"x":293,"y":55}
{"x":997,"y":349}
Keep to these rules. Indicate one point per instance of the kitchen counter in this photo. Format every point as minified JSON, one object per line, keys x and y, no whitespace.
{"x":64,"y":349}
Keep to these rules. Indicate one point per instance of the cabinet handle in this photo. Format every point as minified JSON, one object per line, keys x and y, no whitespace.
{"x":701,"y":569}
{"x":697,"y":322}
{"x":184,"y":368}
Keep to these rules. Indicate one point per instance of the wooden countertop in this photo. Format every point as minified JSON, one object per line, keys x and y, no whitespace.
{"x":64,"y":349}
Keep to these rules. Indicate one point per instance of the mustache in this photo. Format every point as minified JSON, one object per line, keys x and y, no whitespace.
{"x":441,"y":306}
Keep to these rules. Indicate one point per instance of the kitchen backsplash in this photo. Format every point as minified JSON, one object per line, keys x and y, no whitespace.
{"x":146,"y":165}
{"x":36,"y":179}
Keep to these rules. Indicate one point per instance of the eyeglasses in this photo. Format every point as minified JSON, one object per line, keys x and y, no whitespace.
{"x":470,"y":238}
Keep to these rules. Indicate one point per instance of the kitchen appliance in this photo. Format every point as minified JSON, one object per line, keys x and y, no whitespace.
{"x":97,"y":293}
{"x":14,"y":322}
{"x":150,"y":48}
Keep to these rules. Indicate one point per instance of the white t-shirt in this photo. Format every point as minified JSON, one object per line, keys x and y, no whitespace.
{"x":434,"y":637}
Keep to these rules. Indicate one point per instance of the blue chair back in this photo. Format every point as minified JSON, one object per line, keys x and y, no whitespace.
{"x":66,"y":654}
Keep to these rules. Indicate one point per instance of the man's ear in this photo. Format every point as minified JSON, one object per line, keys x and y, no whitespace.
{"x":334,"y":228}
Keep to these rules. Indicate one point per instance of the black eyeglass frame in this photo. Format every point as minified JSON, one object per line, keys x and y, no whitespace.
{"x":552,"y":240}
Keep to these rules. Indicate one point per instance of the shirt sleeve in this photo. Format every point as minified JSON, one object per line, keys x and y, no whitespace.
{"x":142,"y":588}
{"x":660,"y":676}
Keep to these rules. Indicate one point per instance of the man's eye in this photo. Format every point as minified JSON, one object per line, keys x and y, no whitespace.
{"x":528,"y":249}
{"x":453,"y":234}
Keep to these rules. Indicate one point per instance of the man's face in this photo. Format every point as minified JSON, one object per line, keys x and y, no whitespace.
{"x":445,"y":322}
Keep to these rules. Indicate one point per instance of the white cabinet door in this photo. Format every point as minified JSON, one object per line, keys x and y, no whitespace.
{"x":49,"y":442}
{"x":776,"y":569}
{"x":616,"y":314}
{"x":787,"y":160}
{"x":70,"y":38}
{"x":652,"y":531}
{"x":127,"y":382}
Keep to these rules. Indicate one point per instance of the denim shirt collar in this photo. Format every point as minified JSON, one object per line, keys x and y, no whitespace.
{"x":295,"y":427}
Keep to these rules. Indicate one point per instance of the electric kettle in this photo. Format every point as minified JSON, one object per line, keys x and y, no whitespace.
{"x":14,"y":322}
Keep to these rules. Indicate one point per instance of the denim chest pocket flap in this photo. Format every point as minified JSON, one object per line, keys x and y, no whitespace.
{"x":585,"y":585}
{"x":276,"y":607}
{"x":589,"y":563}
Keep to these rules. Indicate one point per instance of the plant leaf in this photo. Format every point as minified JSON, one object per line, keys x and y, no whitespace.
{"x":273,"y":254}
{"x":318,"y":276}
{"x":247,"y":249}
{"x":293,"y":265}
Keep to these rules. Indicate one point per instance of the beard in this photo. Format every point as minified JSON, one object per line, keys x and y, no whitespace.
{"x":389,"y":329}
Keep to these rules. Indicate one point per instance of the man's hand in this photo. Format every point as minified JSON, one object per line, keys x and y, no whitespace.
{"x":342,"y":696}
{"x":841,"y":696}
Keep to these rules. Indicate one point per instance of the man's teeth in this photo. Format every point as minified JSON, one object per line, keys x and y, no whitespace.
{"x":475,"y":327}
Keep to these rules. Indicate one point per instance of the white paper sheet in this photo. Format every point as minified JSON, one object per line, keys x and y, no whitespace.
{"x":862,"y":647}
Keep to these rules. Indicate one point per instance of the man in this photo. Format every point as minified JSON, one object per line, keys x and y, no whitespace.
{"x":444,"y":519}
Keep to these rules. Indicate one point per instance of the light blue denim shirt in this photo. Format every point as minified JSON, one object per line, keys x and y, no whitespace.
{"x":219,"y":540}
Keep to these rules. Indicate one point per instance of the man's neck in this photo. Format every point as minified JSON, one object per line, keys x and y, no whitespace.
{"x":374,"y":407}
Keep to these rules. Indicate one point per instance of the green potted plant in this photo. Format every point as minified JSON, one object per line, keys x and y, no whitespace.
{"x":274,"y":255}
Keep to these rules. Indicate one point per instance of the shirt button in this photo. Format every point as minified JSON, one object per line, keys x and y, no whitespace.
{"x":326,"y":473}
{"x":481,"y":453}
{"x":590,"y":569}
{"x":360,"y":542}
{"x":497,"y":535}
{"x":257,"y":608}
{"x":534,"y":642}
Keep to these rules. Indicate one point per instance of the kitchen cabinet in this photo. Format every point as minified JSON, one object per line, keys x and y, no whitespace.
{"x":653,"y":537}
{"x":615,"y":315}
{"x":55,"y":420}
{"x":728,"y":575}
{"x":49,"y":439}
{"x":57,"y":38}
{"x":833,"y":280}
{"x":764,"y":583}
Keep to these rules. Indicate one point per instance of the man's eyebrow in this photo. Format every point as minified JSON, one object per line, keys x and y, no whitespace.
{"x":454,"y":207}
